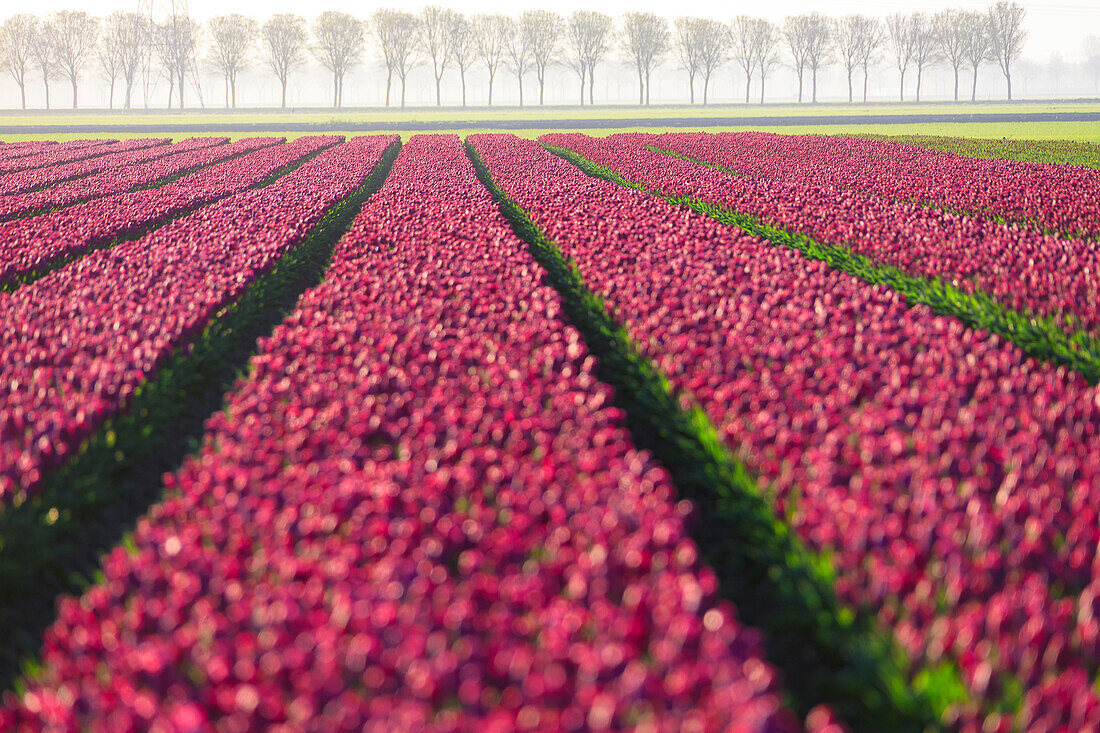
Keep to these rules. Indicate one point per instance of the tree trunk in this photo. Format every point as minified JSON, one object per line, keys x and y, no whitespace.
{"x":901,"y":92}
{"x":171,"y":88}
{"x":974,"y":86}
{"x":920,"y":71}
{"x":491,"y":90}
{"x":865,"y":75}
{"x":519,"y":76}
{"x":956,"y":83}
{"x":647,"y":85}
{"x":748,"y":85}
{"x":800,"y":72}
{"x":181,"y":88}
{"x":542,"y":87}
{"x":591,"y":85}
{"x":1008,"y":79}
{"x":111,"y":99}
{"x":706,"y":88}
{"x":438,"y":98}
{"x":691,"y":88}
{"x":226,"y":91}
{"x":402,"y":92}
{"x":641,"y":88}
{"x":849,"y":86}
{"x":813,"y":84}
{"x":582,"y":87}
{"x":335,"y":90}
{"x":23,"y":94}
{"x":233,"y":89}
{"x":129,"y":87}
{"x":761,"y":86}
{"x":462,"y":76}
{"x":283,"y":80}
{"x":389,"y":83}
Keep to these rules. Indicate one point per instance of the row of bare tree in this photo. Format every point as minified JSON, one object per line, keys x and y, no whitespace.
{"x":130,"y":49}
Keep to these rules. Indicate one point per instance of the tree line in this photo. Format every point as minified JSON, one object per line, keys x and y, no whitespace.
{"x":129,"y":50}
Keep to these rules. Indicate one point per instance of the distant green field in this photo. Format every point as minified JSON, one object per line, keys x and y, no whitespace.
{"x":1073,"y":131}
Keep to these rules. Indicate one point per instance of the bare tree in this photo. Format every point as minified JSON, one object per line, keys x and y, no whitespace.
{"x":110,"y":64}
{"x":543,"y":29}
{"x":952,"y":37}
{"x":744,"y":50}
{"x":1007,"y":35}
{"x":850,"y":41}
{"x":491,"y":35}
{"x":233,"y":38}
{"x":1092,"y":59}
{"x":74,"y":34}
{"x":124,"y":41}
{"x":818,"y":46}
{"x":285,"y":40}
{"x":338,"y":46}
{"x":17,"y":46}
{"x":646,"y":40}
{"x":44,"y":51}
{"x":926,"y":48}
{"x":713,"y":50}
{"x":979,"y":45}
{"x":177,"y":40}
{"x":586,"y":43}
{"x":686,"y":45}
{"x":599,"y":45}
{"x":435,"y":39}
{"x":519,"y":56}
{"x":797,"y":33}
{"x":463,"y":48}
{"x":900,"y":37}
{"x":398,"y":34}
{"x":767,"y":39}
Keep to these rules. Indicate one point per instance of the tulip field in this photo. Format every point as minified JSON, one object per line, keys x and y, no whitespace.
{"x":656,"y":432}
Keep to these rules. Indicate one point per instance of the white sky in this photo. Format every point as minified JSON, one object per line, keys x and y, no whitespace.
{"x":1055,"y":25}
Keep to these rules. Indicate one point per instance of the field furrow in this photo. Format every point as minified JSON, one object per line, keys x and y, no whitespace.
{"x":951,"y":480}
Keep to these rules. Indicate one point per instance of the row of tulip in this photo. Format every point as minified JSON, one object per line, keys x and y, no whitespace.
{"x":61,"y":154}
{"x":10,"y":151}
{"x":41,"y":178}
{"x":419,"y":512}
{"x":79,"y":341}
{"x":1059,"y":197}
{"x":953,"y":482}
{"x":38,"y":243}
{"x":1020,"y":268}
{"x":1058,"y":152}
{"x":170,"y":162}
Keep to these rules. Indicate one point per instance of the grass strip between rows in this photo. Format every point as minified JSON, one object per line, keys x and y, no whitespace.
{"x":827,"y":653}
{"x":51,"y":544}
{"x":26,"y":278}
{"x":1055,"y":339}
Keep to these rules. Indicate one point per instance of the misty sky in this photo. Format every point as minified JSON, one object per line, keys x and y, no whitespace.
{"x":1058,"y":25}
